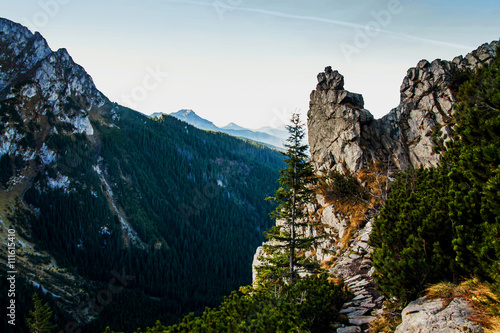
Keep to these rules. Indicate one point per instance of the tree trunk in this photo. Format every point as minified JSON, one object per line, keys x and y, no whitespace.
{"x":292,"y":231}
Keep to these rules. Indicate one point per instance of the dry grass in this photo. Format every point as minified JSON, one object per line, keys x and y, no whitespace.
{"x":389,"y":320}
{"x":385,"y":323}
{"x":355,"y":205}
{"x":485,"y":303}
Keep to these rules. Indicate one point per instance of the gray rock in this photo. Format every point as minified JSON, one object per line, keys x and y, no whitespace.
{"x":344,"y":136}
{"x":357,"y":313}
{"x":356,"y":277}
{"x":425,"y":315}
{"x":348,"y":310}
{"x":362,"y":283}
{"x":368,"y":305}
{"x":360,"y":297}
{"x":349,"y":329}
{"x":361,"y":320}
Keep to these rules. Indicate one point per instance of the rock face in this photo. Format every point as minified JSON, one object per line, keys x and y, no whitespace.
{"x":435,"y":316}
{"x":44,"y":94}
{"x":41,"y":87}
{"x":344,"y":136}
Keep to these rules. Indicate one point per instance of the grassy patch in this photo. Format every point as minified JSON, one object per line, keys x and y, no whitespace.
{"x":485,"y":303}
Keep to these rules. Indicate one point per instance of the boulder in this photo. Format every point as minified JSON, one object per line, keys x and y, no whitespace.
{"x":426,"y":315}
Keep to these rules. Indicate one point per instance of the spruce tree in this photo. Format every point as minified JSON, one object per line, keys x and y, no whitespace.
{"x":292,"y":236}
{"x":39,"y":320}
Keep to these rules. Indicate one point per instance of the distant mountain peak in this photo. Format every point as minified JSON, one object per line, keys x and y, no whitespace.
{"x":234,"y":126}
{"x":190,"y":117}
{"x":274,"y":138}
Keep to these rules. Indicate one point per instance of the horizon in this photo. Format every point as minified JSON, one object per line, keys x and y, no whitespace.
{"x":253,"y":63}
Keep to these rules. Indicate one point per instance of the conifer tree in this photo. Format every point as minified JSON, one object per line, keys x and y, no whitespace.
{"x":39,"y":320}
{"x":292,"y":235}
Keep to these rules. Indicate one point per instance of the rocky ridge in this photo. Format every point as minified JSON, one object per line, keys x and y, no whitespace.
{"x":42,"y":94}
{"x":344,"y":137}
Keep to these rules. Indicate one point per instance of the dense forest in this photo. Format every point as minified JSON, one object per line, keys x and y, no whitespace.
{"x":194,"y":201}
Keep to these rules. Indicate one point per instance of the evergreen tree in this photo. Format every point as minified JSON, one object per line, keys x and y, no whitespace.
{"x":289,"y":239}
{"x":39,"y":320}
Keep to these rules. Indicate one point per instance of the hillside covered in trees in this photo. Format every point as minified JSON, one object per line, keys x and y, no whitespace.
{"x":97,"y":192}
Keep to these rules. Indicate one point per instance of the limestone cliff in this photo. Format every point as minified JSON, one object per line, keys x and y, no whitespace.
{"x":344,"y":136}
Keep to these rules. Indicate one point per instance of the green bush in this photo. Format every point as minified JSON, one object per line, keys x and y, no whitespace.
{"x":444,"y":223}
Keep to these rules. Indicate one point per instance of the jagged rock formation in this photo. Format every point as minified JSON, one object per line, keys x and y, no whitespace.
{"x":423,"y":315}
{"x":344,"y":136}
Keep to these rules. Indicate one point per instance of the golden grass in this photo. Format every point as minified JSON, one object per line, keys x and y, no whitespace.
{"x":385,"y":323}
{"x":484,"y":302}
{"x":354,"y":208}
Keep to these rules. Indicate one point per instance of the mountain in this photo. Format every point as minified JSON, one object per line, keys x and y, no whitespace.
{"x":234,"y":127}
{"x":190,"y":117}
{"x":119,"y":219}
{"x":280,"y":132}
{"x":271,"y":137}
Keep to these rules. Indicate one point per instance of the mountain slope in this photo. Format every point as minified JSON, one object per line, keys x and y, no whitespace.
{"x":95,"y":191}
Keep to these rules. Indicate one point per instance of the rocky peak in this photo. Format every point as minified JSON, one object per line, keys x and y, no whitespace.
{"x":43,"y":95}
{"x":43,"y":89}
{"x":343,"y":136}
{"x":20,"y":50}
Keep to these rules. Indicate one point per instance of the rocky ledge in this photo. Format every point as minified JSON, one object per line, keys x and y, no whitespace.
{"x":438,"y":315}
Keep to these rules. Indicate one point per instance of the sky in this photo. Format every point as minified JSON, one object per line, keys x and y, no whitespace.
{"x":253,"y":62}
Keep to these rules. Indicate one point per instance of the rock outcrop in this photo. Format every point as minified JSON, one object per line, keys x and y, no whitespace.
{"x":435,"y":315}
{"x":344,"y":136}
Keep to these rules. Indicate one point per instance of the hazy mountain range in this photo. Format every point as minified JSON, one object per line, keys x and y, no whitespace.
{"x":273,"y":137}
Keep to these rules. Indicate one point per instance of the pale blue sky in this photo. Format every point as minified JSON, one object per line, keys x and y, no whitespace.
{"x":253,"y":62}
